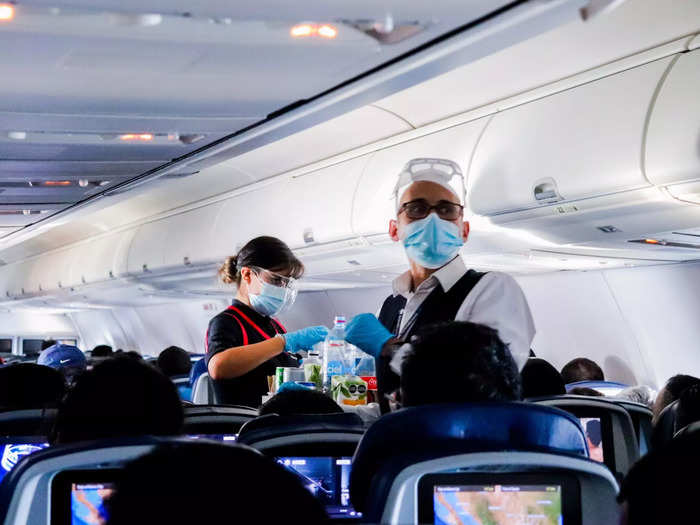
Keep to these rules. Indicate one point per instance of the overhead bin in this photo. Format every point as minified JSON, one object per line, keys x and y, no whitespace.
{"x":374,"y":204}
{"x":672,"y":152}
{"x":101,"y":259}
{"x":307,"y":209}
{"x":579,"y":144}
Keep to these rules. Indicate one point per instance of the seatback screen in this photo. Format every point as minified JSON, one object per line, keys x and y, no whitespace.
{"x":328,"y":479}
{"x":498,"y":504}
{"x":594,"y":437}
{"x":13,"y":452}
{"x":88,"y":503}
{"x":228,"y":438}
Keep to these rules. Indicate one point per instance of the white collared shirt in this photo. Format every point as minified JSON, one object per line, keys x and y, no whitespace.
{"x":496,"y":301}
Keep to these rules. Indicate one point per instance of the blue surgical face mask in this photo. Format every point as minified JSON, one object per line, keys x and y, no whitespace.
{"x":432,"y":242}
{"x":272,"y":299}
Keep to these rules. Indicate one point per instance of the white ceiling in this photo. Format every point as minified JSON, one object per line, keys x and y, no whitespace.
{"x":569,"y":50}
{"x":78,"y":74}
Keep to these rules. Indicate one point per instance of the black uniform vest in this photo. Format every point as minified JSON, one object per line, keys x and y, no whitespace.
{"x":439,"y":306}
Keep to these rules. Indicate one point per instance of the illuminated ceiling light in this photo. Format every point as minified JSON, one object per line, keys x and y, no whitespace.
{"x":83,"y":183}
{"x":651,"y":241}
{"x":17,"y":135}
{"x":57,"y":183}
{"x":7,"y":12}
{"x":143,"y":137}
{"x":302,"y":30}
{"x":327,"y":31}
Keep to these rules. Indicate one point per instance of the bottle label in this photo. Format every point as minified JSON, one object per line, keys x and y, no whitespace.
{"x":334,"y":368}
{"x":371,"y":382}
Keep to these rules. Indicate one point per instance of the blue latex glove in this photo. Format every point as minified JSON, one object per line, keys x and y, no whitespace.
{"x":291,"y":385}
{"x":367,"y":333}
{"x":304,"y":338}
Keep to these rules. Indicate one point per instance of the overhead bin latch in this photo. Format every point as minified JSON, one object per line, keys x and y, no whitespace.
{"x":546,"y":191}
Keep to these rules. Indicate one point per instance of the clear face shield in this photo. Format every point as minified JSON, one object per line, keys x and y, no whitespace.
{"x":444,"y":172}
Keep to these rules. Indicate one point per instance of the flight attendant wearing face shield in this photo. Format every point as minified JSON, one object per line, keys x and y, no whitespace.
{"x":245,"y":343}
{"x":438,"y":287}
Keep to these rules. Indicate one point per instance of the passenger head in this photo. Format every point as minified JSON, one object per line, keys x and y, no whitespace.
{"x":183,"y":484}
{"x":637,"y":394}
{"x":293,"y":402}
{"x":661,"y":488}
{"x":671,"y":391}
{"x":48,"y":344}
{"x":102,"y":351}
{"x":458,"y":362}
{"x":688,"y":410}
{"x":174,"y":361}
{"x":540,"y":378}
{"x":585,"y":391}
{"x":593,"y":432}
{"x":27,"y":385}
{"x":581,"y":369}
{"x":117,"y":398}
{"x":67,"y":359}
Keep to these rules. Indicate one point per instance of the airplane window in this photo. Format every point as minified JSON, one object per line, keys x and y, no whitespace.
{"x":6,"y":346}
{"x":31,"y":346}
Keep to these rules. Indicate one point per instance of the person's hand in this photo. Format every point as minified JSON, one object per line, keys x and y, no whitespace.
{"x":304,"y":338}
{"x":367,"y":333}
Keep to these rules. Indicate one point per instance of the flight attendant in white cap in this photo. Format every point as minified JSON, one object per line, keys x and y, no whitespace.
{"x":438,"y":286}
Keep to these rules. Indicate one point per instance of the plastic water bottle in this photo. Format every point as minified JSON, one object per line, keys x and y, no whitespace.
{"x":367,"y":370}
{"x":335,"y":359}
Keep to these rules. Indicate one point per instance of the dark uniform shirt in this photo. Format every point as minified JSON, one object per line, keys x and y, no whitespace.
{"x":240,"y":325}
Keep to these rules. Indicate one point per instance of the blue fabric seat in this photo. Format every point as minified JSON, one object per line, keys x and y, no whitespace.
{"x":604,"y":387}
{"x":198,"y":368}
{"x":418,"y":434}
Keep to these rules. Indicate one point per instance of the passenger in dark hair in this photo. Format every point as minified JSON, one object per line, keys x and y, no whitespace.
{"x":540,"y":378}
{"x":234,"y":484}
{"x":102,"y":351}
{"x":688,"y":410}
{"x":47,"y":344}
{"x":585,"y":391}
{"x":581,"y":369}
{"x":174,"y":361}
{"x":671,"y":391}
{"x":28,"y":385}
{"x":119,"y":397}
{"x":458,"y":362}
{"x":133,"y":354}
{"x":593,"y":432}
{"x":293,"y":402}
{"x":661,"y":488}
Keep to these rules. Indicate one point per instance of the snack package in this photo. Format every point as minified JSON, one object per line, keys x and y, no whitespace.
{"x":349,"y":390}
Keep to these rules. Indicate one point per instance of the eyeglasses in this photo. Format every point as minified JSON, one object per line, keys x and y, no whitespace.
{"x":421,"y":208}
{"x":274,"y":279}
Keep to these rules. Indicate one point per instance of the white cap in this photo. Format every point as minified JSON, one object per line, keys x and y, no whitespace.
{"x":444,"y":172}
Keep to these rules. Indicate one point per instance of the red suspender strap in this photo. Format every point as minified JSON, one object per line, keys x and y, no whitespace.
{"x":249,"y":321}
{"x":245,"y":334}
{"x":282,"y":329}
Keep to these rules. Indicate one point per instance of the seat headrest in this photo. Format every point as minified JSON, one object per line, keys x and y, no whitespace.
{"x":273,"y":425}
{"x":197,"y":370}
{"x":417,"y":434}
{"x":666,"y":426}
{"x":605,"y":387}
